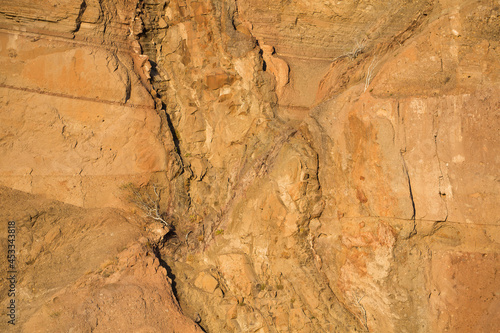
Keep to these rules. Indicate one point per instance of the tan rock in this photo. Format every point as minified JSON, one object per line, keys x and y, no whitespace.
{"x":339,"y":177}
{"x":206,"y":282}
{"x":237,"y":270}
{"x":297,"y":320}
{"x":278,"y":67}
{"x":281,"y":320}
{"x":91,"y":272}
{"x":71,"y":130}
{"x":217,"y":80}
{"x":199,"y":167}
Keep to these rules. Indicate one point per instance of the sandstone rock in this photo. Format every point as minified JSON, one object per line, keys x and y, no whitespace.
{"x":278,"y":67}
{"x":75,"y":107}
{"x":217,"y":80}
{"x":237,"y":271}
{"x":206,"y":282}
{"x":338,"y":175}
{"x":89,"y":273}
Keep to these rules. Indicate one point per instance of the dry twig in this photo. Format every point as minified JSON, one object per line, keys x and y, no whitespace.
{"x":148,"y":203}
{"x":369,"y":74}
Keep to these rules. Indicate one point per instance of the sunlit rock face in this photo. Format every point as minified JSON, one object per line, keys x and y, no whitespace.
{"x":323,"y":166}
{"x":76,"y":119}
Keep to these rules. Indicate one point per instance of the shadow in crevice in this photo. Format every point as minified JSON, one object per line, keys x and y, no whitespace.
{"x":154,"y":73}
{"x":170,"y":273}
{"x":172,"y":130}
{"x":163,"y":263}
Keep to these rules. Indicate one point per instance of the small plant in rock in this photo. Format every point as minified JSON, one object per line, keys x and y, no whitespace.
{"x":370,"y":73}
{"x":357,"y":49}
{"x":147,"y":199}
{"x":55,"y":314}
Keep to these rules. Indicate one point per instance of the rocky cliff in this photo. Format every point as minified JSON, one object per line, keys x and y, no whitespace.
{"x":318,"y":166}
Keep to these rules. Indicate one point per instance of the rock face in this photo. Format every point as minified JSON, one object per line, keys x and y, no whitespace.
{"x":82,"y":270}
{"x":323,"y":167}
{"x":75,"y":115}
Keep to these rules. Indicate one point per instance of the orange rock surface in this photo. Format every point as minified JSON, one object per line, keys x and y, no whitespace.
{"x":311,"y":166}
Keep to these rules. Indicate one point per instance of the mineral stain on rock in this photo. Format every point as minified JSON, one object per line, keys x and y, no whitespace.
{"x":316,"y":166}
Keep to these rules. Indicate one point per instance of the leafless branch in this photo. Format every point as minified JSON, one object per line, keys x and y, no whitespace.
{"x":356,"y":49}
{"x":149,"y":204}
{"x":369,"y":74}
{"x":358,"y":301}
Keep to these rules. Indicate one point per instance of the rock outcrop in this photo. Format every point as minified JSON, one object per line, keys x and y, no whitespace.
{"x":75,"y":115}
{"x":322,"y":167}
{"x":83,"y":270}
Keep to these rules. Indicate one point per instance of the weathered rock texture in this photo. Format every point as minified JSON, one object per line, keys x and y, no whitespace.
{"x":85,"y":270}
{"x":327,"y":167}
{"x":75,"y":115}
